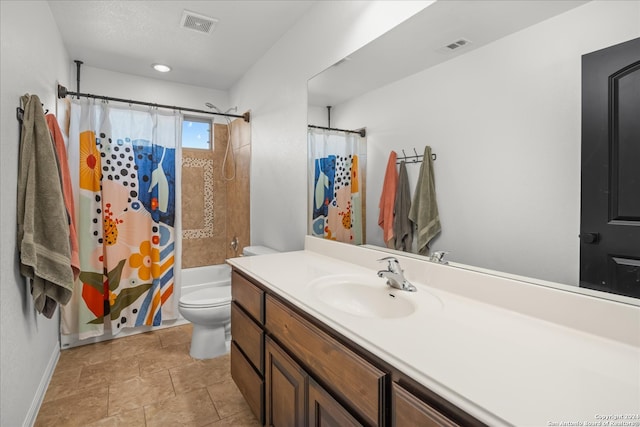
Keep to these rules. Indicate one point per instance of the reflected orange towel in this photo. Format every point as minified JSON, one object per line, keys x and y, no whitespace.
{"x":387,"y":200}
{"x":67,"y":191}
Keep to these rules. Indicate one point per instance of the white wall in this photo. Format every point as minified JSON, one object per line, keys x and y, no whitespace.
{"x":33,"y":60}
{"x":504,"y":121}
{"x":118,"y":85}
{"x":275,"y":90}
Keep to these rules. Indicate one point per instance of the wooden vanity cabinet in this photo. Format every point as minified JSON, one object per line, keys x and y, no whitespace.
{"x":247,"y":345}
{"x":347,"y":375}
{"x":294,"y":371}
{"x":293,"y":398}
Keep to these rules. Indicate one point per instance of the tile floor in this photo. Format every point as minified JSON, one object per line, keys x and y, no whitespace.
{"x":143,"y":380}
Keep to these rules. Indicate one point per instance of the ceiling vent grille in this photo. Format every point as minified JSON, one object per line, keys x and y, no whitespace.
{"x":197,"y":22}
{"x":457,"y":44}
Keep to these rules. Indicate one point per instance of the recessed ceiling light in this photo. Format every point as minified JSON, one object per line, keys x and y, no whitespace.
{"x":162,"y":68}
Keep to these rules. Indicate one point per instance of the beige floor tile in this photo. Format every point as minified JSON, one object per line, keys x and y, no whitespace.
{"x":176,"y":335}
{"x":110,"y":372}
{"x":200,"y":373}
{"x":163,"y":358}
{"x":191,"y":409}
{"x":133,"y":418}
{"x":74,"y":410}
{"x":84,"y":355}
{"x":63,"y":383}
{"x":143,"y":380}
{"x":227,"y":399}
{"x":242,"y":419}
{"x":140,"y":391}
{"x":134,"y":344}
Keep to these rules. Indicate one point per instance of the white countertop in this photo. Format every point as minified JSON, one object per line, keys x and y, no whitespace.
{"x":502,"y":367}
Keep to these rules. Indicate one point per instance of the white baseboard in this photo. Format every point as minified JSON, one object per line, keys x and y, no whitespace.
{"x":42,"y":388}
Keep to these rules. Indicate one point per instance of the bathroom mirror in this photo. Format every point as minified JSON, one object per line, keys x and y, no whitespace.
{"x":494,"y":88}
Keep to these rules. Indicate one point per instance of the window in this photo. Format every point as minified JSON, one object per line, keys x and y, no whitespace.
{"x":196,"y":133}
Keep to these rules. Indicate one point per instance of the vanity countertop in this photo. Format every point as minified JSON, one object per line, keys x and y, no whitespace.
{"x":501,"y":366}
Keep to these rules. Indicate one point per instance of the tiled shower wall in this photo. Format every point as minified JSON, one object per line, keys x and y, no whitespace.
{"x":214,"y":209}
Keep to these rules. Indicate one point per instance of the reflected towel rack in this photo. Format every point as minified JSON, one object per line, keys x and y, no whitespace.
{"x":416,"y":158}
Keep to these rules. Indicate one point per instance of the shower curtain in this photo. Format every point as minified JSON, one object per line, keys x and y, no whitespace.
{"x":336,"y":185}
{"x":124,"y":167}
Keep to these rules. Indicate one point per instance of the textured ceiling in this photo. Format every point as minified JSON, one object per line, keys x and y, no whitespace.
{"x":128,"y":36}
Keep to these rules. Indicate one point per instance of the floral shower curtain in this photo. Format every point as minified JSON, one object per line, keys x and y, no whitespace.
{"x":336,"y":185}
{"x":125,"y":173}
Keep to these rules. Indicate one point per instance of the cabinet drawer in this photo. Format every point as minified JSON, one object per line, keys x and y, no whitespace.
{"x":249,"y":296}
{"x":248,"y":336}
{"x":248,"y":381}
{"x":407,"y":410}
{"x":347,"y":375}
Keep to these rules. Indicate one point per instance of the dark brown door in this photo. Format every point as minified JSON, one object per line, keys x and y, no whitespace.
{"x":610,"y":197}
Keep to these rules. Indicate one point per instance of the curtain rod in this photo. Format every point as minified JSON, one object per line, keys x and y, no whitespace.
{"x":63,"y":92}
{"x":362,"y":132}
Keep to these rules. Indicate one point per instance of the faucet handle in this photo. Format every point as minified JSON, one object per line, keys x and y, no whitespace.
{"x":438,"y":256}
{"x":394,"y":264}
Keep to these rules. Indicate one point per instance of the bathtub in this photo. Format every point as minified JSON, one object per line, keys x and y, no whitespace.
{"x":196,"y":278}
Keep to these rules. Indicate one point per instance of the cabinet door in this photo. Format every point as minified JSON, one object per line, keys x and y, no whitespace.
{"x":286,"y":387}
{"x":408,"y":411}
{"x":325,"y":411}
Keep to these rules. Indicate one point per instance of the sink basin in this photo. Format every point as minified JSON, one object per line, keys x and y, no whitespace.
{"x":363,"y":296}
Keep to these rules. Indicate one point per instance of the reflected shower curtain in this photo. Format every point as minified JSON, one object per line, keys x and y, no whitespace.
{"x":125,"y":173}
{"x":336,"y":185}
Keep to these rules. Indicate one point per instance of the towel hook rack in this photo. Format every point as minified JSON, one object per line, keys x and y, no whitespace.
{"x":416,"y":158}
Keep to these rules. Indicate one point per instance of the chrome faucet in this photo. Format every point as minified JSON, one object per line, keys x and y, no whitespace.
{"x":394,"y":275}
{"x":438,"y":257}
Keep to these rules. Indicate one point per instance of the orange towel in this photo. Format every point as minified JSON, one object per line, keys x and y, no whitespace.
{"x":67,"y":191}
{"x":387,"y":200}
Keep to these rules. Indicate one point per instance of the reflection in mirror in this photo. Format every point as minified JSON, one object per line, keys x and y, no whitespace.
{"x":503,"y":114}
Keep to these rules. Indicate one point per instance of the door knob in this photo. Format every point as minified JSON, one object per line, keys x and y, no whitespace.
{"x":589,"y":238}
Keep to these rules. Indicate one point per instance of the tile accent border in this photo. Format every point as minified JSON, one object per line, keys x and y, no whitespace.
{"x":207,"y":166}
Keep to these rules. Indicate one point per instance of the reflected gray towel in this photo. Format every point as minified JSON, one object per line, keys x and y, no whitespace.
{"x":43,"y":225}
{"x":402,"y":227}
{"x":424,"y":209}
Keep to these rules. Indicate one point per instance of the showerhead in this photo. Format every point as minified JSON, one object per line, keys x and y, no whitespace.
{"x":213,"y":107}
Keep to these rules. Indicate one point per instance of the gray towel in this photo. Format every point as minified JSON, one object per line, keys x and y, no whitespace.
{"x":43,"y":227}
{"x":424,"y":210}
{"x":402,"y":227}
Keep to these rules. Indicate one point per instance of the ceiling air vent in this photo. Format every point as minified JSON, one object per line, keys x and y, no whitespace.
{"x":455,"y":45}
{"x":197,"y":22}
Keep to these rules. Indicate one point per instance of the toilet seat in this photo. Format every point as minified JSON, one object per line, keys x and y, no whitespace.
{"x":210,"y":297}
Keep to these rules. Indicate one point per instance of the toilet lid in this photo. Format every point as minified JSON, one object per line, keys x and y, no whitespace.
{"x":209,"y":297}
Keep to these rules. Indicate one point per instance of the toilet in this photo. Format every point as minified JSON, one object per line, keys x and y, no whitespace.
{"x":209,"y":310}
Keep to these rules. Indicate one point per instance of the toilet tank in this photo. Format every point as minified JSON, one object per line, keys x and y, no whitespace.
{"x":257,"y":250}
